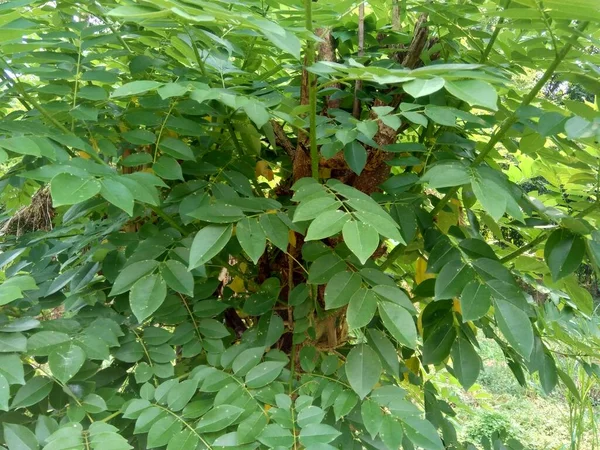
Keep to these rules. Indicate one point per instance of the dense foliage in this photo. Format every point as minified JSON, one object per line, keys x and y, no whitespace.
{"x":243,"y":224}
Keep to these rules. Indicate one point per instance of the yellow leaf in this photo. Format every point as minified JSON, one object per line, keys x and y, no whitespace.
{"x":262,"y":169}
{"x":243,"y":267}
{"x":420,"y":271}
{"x":413,"y":365}
{"x":325,"y":173}
{"x":456,"y":306}
{"x":122,"y":127}
{"x":292,"y":238}
{"x":237,"y":285}
{"x":83,"y":155}
{"x":446,"y":219}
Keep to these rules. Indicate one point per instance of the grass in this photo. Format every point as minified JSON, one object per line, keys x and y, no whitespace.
{"x":499,"y":404}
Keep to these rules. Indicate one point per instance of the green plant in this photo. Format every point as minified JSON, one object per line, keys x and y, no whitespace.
{"x":261,"y":224}
{"x":489,"y":425}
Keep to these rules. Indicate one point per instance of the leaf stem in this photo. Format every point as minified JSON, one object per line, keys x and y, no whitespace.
{"x":492,"y":41}
{"x":160,"y":213}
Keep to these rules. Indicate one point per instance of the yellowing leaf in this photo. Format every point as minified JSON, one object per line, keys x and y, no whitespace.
{"x":420,"y":271}
{"x":237,"y":285}
{"x":292,"y":238}
{"x":262,"y":169}
{"x":456,"y":306}
{"x":446,"y":219}
{"x":413,"y":365}
{"x":83,"y":155}
{"x":325,"y":173}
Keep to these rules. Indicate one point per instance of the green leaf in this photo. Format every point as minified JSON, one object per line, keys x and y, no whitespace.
{"x":208,"y":242}
{"x":341,"y":288}
{"x":130,"y":274}
{"x":184,"y":440}
{"x":264,"y":373}
{"x":368,"y":128}
{"x":324,"y":268}
{"x":135,"y":88}
{"x":363,"y":369}
{"x":391,"y":121}
{"x":32,"y":392}
{"x":310,"y":415}
{"x":422,"y":433}
{"x":327,"y":224}
{"x":474,"y":92}
{"x":447,"y":174}
{"x":372,"y":416}
{"x":12,"y":289}
{"x":276,"y":230}
{"x":66,"y":362}
{"x":361,"y":308}
{"x":162,"y":431}
{"x":18,"y":437}
{"x":288,"y":42}
{"x":14,"y":342}
{"x":249,"y":429}
{"x":218,"y":418}
{"x":312,"y":208}
{"x":355,"y":156}
{"x":399,"y":323}
{"x":395,"y":295}
{"x":494,"y":200}
{"x":176,"y":148}
{"x":146,"y":296}
{"x":274,"y":435}
{"x":452,"y":279}
{"x":94,"y":404}
{"x":362,"y":239}
{"x":21,"y":145}
{"x":179,"y":396}
{"x":421,"y":87}
{"x":170,"y":90}
{"x":465,"y":362}
{"x":256,"y":112}
{"x":383,"y":224}
{"x":4,"y":393}
{"x":391,"y":432}
{"x":563,"y":253}
{"x":251,"y":237}
{"x":246,"y":360}
{"x":118,"y":194}
{"x":177,"y":277}
{"x":438,"y":341}
{"x":344,"y":403}
{"x":441,"y":115}
{"x":67,"y":189}
{"x":475,"y":301}
{"x":318,"y":433}
{"x":386,"y":350}
{"x":515,"y":327}
{"x":167,"y":168}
